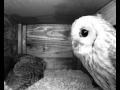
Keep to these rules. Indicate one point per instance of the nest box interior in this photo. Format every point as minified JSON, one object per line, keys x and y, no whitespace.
{"x":42,"y":28}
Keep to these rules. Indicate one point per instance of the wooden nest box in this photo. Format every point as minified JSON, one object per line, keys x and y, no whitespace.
{"x":52,"y":41}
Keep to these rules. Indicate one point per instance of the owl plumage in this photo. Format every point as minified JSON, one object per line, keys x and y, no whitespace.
{"x":27,"y":70}
{"x":94,"y":43}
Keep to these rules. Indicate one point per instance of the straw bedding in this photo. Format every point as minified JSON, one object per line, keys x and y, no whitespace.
{"x":62,"y":80}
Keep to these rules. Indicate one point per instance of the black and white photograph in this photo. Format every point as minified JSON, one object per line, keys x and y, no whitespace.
{"x":59,"y":44}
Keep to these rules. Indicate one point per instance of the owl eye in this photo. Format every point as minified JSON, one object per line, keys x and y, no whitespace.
{"x":83,"y":33}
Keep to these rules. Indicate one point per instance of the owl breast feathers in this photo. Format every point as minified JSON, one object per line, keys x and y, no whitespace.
{"x":94,"y":43}
{"x":27,"y":70}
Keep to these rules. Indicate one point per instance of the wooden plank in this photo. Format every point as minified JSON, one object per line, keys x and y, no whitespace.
{"x":109,"y":12}
{"x":60,"y":63}
{"x":24,"y":39}
{"x":19,"y":38}
{"x":52,"y":43}
{"x":49,"y":40}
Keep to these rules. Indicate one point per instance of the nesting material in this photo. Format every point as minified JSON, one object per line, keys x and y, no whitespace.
{"x":6,"y":87}
{"x":63,"y":80}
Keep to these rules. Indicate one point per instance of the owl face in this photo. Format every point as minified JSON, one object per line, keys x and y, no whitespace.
{"x":83,"y":34}
{"x":88,"y":31}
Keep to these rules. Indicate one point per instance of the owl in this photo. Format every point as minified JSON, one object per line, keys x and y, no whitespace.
{"x":94,"y":44}
{"x":27,"y":70}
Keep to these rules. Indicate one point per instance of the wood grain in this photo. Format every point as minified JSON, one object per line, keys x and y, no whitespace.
{"x":51,"y":42}
{"x":60,"y":63}
{"x":19,"y":38}
{"x":24,"y":39}
{"x":109,"y":12}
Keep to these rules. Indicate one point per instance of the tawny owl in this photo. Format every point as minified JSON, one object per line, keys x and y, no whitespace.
{"x":27,"y":70}
{"x":94,"y":43}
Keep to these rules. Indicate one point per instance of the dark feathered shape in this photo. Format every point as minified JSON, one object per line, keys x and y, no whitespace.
{"x":27,"y":70}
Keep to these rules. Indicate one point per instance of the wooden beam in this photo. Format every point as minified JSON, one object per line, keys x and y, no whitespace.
{"x":19,"y":38}
{"x":24,"y":39}
{"x":109,"y":12}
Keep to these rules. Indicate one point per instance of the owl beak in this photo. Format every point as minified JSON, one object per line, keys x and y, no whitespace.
{"x":75,"y":43}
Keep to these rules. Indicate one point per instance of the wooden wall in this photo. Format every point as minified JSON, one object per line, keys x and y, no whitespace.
{"x":10,"y":37}
{"x":10,"y":42}
{"x":109,"y":12}
{"x":51,"y":42}
{"x":22,"y":38}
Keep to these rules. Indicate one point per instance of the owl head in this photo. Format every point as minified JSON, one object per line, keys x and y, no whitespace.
{"x":86,"y":30}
